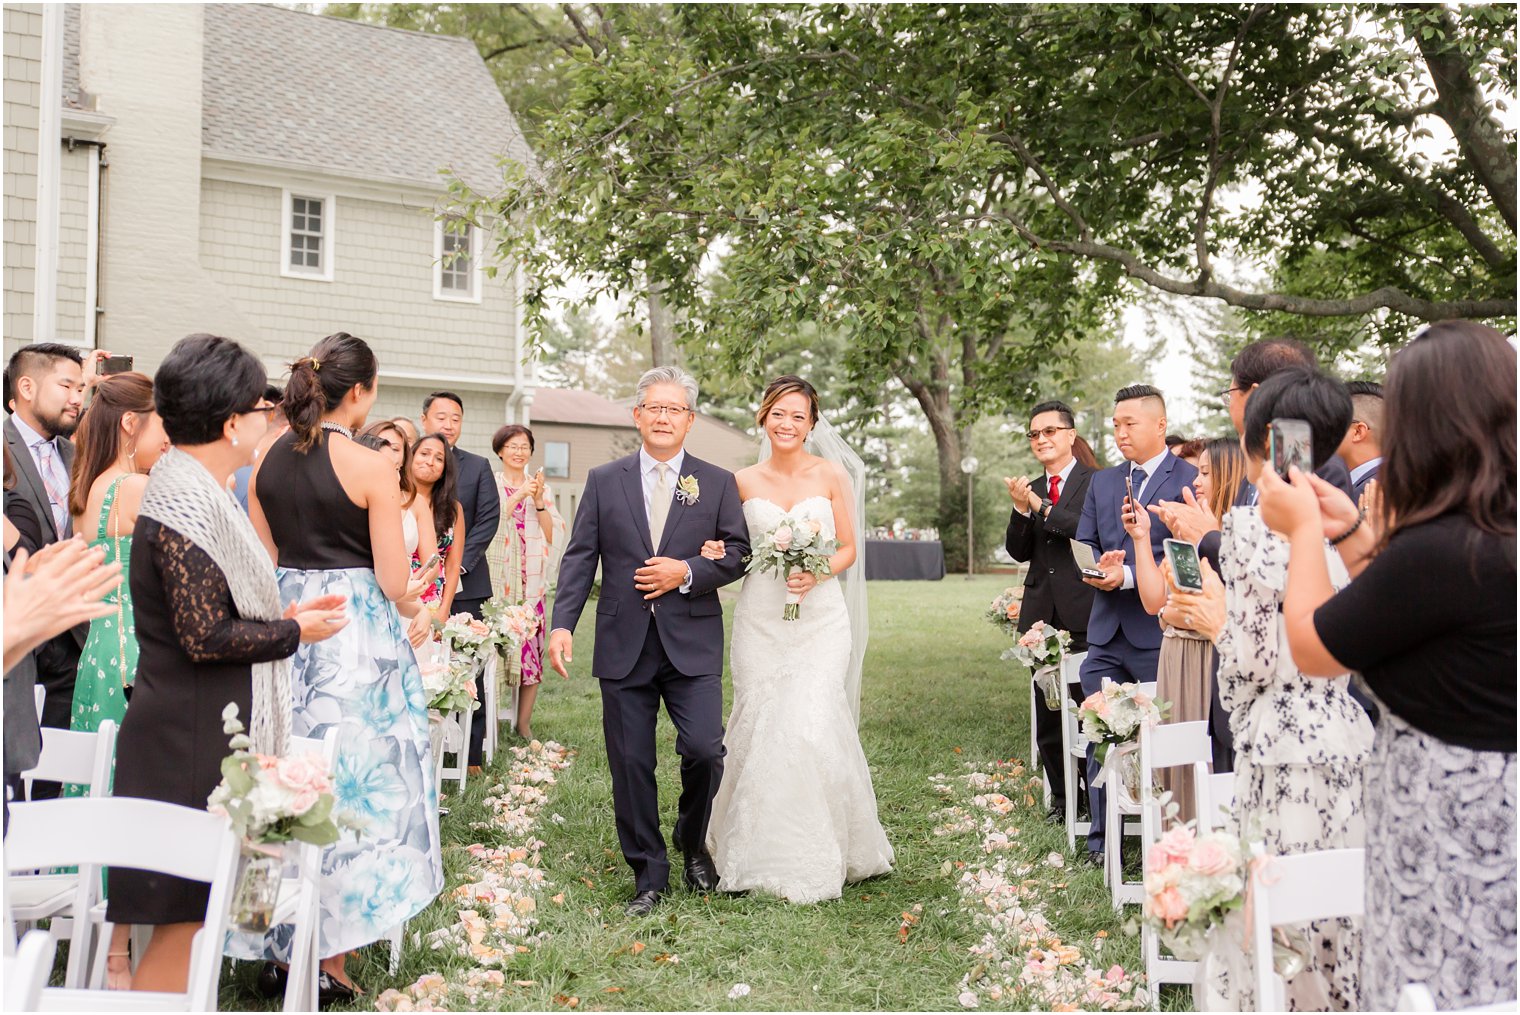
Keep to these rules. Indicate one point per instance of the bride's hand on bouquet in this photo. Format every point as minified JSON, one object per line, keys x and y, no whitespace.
{"x":801,"y":583}
{"x":713,"y":549}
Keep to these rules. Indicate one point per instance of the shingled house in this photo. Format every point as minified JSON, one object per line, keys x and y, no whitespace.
{"x":261,"y":173}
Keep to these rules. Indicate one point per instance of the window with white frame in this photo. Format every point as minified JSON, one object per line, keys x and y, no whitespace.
{"x":307,"y":236}
{"x":556,"y":459}
{"x":456,"y":260}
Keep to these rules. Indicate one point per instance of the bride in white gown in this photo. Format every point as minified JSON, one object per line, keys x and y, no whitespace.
{"x":795,"y":814}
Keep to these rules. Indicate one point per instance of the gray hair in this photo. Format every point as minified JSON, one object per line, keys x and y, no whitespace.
{"x":669,"y":375}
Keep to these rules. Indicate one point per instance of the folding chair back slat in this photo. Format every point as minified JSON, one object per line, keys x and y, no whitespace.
{"x":1297,"y":889}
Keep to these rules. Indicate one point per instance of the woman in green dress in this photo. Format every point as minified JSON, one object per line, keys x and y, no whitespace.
{"x":118,"y":440}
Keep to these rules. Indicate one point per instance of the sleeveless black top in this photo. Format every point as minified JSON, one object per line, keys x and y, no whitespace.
{"x":315,"y":525}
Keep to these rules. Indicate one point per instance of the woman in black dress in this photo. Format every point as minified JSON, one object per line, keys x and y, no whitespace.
{"x":1429,"y":623}
{"x":208,"y":623}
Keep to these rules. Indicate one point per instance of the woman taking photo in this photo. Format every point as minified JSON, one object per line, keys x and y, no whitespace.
{"x":1429,"y":622}
{"x":210,"y":628}
{"x":534,"y":529}
{"x":331,"y":517}
{"x":440,"y":519}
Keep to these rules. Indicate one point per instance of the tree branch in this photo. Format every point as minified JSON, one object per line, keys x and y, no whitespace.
{"x":1216,"y":164}
{"x":1012,"y":141}
{"x":594,"y":44}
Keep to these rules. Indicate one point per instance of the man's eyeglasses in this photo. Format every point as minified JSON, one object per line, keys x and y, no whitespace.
{"x":665,"y":410}
{"x":1226,"y":392}
{"x":267,"y":410}
{"x":1047,"y":432}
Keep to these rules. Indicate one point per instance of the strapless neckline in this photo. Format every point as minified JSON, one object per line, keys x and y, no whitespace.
{"x":786,"y":511}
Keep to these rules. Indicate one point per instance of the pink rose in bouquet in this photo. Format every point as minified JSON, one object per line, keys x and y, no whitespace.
{"x":1168,"y":906}
{"x":1178,"y":843}
{"x":782,"y":538}
{"x":1209,"y":858}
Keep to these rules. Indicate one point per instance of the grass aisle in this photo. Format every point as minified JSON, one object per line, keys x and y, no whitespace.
{"x":936,"y":702}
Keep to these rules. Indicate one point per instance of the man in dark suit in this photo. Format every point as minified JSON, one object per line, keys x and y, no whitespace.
{"x":1362,"y":449}
{"x":659,"y":625}
{"x":1124,"y":641}
{"x":47,"y":385}
{"x":443,"y":413}
{"x":1040,"y":529}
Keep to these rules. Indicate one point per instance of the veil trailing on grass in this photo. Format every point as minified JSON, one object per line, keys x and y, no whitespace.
{"x":825,"y":442}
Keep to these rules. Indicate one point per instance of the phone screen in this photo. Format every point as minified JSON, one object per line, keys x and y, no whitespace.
{"x":116,"y":365}
{"x":1290,"y":443}
{"x":1185,"y":566}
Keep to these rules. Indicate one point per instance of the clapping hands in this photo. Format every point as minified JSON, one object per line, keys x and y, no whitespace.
{"x":49,"y":592}
{"x":1021,"y":492}
{"x":1187,"y":519}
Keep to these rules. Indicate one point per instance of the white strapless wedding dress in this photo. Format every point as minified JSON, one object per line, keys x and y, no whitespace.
{"x":795,"y":814}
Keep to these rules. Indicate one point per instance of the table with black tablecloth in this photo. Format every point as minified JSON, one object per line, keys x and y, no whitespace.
{"x":904,"y":560}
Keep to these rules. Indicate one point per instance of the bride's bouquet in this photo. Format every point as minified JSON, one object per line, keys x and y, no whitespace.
{"x":792,"y":546}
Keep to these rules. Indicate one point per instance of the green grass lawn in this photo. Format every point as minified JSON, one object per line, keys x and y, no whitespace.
{"x":935,"y":698}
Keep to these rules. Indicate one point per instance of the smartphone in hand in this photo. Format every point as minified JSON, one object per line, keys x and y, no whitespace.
{"x":1290,"y":442}
{"x":1186,"y":570}
{"x":115,"y":365}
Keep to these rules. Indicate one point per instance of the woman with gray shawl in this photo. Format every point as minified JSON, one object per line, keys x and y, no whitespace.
{"x":209,"y":626}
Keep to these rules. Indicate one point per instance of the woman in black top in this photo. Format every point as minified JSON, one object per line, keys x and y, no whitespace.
{"x":195,"y":559}
{"x":1429,"y":622}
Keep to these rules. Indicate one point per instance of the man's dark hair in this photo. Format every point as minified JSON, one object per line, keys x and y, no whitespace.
{"x":1369,"y":388}
{"x":203,"y":382}
{"x":427,"y":403}
{"x":1140,"y":391}
{"x":274,"y":393}
{"x":1302,"y":393}
{"x":1067,"y":419}
{"x":1260,"y":360}
{"x":34,"y":360}
{"x":1172,"y":440}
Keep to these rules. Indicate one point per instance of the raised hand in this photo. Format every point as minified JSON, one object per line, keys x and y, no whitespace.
{"x":1186,"y":519}
{"x":1288,"y":507}
{"x":1136,"y":522}
{"x":1112,"y":565}
{"x":47,"y":593}
{"x":1021,"y":492}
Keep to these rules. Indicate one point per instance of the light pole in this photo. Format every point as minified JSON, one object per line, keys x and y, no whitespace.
{"x":968,"y":466}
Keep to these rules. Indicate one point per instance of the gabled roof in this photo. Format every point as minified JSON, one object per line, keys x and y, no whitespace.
{"x":578,"y":408}
{"x":283,"y":87}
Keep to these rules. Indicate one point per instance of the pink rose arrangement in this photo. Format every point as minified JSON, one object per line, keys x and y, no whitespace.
{"x":1004,"y":611}
{"x":790,"y":548}
{"x":272,"y":799}
{"x":1191,"y":882}
{"x":1114,"y":713}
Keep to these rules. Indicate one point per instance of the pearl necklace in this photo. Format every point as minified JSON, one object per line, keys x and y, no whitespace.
{"x":331,"y":427}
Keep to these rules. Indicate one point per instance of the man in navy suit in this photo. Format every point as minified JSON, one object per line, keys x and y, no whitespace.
{"x":1040,"y":529}
{"x":1124,"y":642}
{"x":1362,"y":448}
{"x":659,"y":625}
{"x":443,"y":413}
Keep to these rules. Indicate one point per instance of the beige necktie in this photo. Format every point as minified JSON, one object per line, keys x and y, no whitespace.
{"x":659,"y":504}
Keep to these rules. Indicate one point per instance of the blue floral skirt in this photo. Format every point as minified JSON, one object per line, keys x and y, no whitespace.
{"x":364,"y":680}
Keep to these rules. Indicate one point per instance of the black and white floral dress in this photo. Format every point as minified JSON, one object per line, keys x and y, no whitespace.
{"x":1300,"y":747}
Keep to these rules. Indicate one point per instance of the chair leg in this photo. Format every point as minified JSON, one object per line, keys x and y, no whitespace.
{"x":1113,"y":839}
{"x":395,"y":937}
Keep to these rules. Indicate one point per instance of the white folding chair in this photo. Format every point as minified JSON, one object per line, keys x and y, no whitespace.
{"x":144,"y":835}
{"x":489,"y":706}
{"x":1173,"y":745}
{"x":1073,"y":746}
{"x":1296,"y":889}
{"x":39,"y":696}
{"x":1119,"y":807}
{"x":26,"y":972}
{"x":1034,"y":745}
{"x":67,"y":757}
{"x":1417,"y":997}
{"x":1216,"y":805}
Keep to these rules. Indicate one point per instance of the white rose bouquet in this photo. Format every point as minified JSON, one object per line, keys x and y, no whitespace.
{"x":1114,"y":713}
{"x":273,"y":799}
{"x":1040,"y":648}
{"x":792,"y":547}
{"x":450,"y":685}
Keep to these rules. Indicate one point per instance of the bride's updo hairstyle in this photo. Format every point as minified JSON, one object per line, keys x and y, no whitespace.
{"x":778,"y":389}
{"x":319,"y":383}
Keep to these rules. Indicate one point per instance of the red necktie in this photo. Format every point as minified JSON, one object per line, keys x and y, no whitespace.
{"x":1055,"y":490}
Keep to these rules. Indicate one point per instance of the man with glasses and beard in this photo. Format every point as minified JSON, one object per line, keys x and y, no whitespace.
{"x":47,"y":385}
{"x":1040,"y":529}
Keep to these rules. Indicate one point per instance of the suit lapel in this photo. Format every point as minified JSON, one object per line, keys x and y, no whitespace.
{"x":26,"y":469}
{"x":633,"y":489}
{"x":678,"y":507}
{"x":1153,"y":484}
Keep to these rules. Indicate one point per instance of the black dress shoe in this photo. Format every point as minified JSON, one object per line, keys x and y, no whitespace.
{"x":271,"y":981}
{"x":643,"y":903}
{"x":700,"y":873}
{"x":1056,"y":815}
{"x":331,"y":990}
{"x":1095,"y":857}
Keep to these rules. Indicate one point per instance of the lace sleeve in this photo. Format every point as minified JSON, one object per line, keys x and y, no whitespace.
{"x":200,"y":606}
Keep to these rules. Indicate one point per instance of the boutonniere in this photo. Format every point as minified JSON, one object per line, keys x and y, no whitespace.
{"x":688,"y":490}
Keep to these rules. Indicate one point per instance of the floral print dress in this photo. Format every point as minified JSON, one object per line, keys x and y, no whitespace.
{"x":1301,"y":744}
{"x":531,"y":661}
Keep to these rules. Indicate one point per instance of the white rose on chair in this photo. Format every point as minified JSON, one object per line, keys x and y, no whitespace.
{"x":790,"y":548}
{"x":450,"y":685}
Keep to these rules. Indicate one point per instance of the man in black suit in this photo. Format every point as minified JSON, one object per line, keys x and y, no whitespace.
{"x":443,"y":413}
{"x":1040,"y":529}
{"x":659,"y":625}
{"x":47,"y":386}
{"x":1362,"y":449}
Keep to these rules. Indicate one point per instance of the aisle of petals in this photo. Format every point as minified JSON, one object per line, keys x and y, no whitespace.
{"x":1020,"y":962}
{"x":500,"y":895}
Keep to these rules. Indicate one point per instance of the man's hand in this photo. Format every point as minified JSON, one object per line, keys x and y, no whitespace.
{"x":659,"y":575}
{"x":1112,"y":566}
{"x":560,"y":644}
{"x":92,"y":364}
{"x":1187,"y":519}
{"x":1022,"y":494}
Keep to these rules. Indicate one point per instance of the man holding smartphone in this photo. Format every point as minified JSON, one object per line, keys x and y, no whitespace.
{"x":1040,"y":527}
{"x":1124,"y":640}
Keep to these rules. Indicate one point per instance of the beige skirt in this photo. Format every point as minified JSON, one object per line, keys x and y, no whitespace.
{"x":1183,"y":678}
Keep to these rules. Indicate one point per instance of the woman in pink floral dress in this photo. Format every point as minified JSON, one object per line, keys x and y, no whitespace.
{"x":532,"y":528}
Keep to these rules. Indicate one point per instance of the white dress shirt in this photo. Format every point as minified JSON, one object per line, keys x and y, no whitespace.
{"x":1151,"y":468}
{"x":1362,"y":470}
{"x":55,"y":475}
{"x":648,"y":474}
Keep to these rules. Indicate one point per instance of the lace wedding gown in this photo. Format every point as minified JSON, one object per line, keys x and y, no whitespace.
{"x":795,"y":815}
